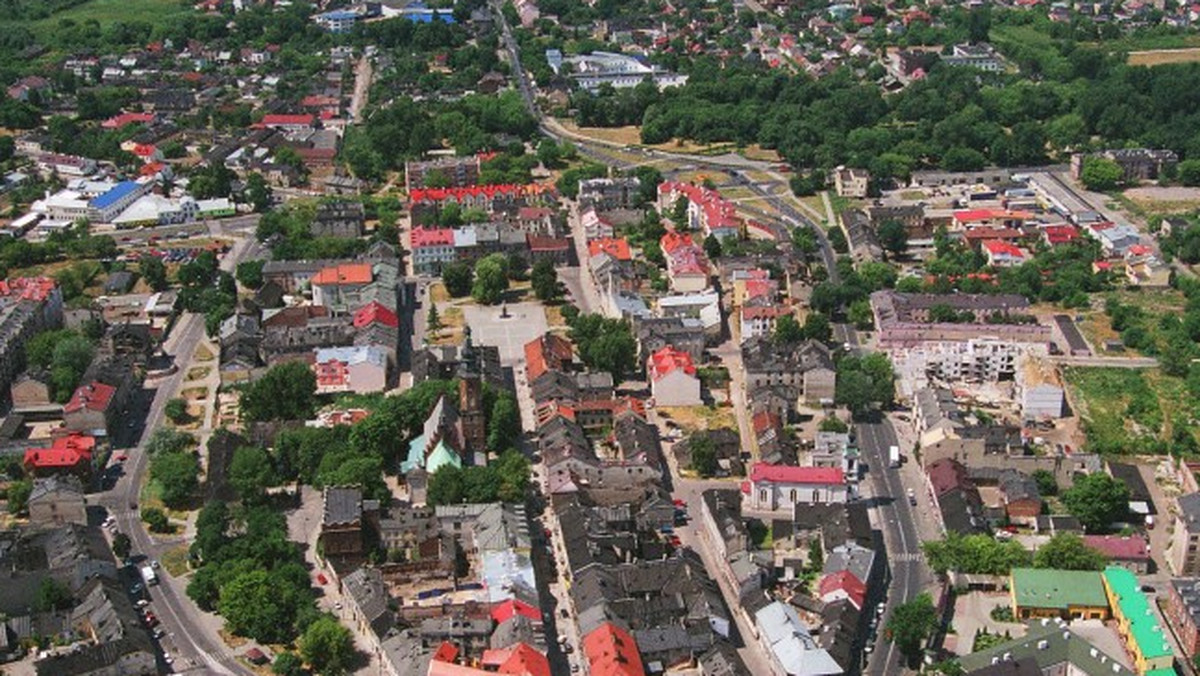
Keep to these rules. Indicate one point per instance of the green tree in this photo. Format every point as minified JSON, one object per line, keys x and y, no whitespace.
{"x":865,"y":382}
{"x":176,"y":410}
{"x":544,"y":279}
{"x":72,"y":357}
{"x":327,"y":646}
{"x":832,"y":423}
{"x":17,"y":496}
{"x":1097,"y":500}
{"x":712,"y":247}
{"x":491,"y":279}
{"x":605,"y":344}
{"x":1101,"y":174}
{"x":549,"y":154}
{"x":257,"y":193}
{"x":893,"y":237}
{"x":1046,"y":483}
{"x":53,"y":595}
{"x":445,"y":486}
{"x":286,"y":392}
{"x":1067,"y":551}
{"x":178,"y":476}
{"x":121,"y":546}
{"x":262,"y":605}
{"x":251,"y":473}
{"x":250,"y":274}
{"x":156,"y":520}
{"x":911,"y":624}
{"x":512,"y":468}
{"x":154,"y":271}
{"x":458,"y":278}
{"x":817,"y":327}
{"x":287,"y":664}
{"x":704,"y":454}
{"x":169,"y":440}
{"x":433,"y":322}
{"x":504,"y":423}
{"x":860,"y":314}
{"x":787,"y":331}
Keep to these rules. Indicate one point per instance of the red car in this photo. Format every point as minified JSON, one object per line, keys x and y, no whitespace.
{"x":681,"y":504}
{"x":121,"y":457}
{"x":151,"y":620}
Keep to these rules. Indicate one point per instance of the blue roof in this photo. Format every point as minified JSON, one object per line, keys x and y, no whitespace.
{"x":423,"y":15}
{"x":114,"y":195}
{"x":339,"y":15}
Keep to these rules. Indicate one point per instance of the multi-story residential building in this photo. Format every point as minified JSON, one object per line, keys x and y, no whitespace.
{"x":687,"y":266}
{"x":981,"y":56}
{"x":779,"y":488}
{"x":707,"y":210}
{"x":361,"y":369}
{"x":1183,"y":552}
{"x":622,"y":71}
{"x":792,"y":648}
{"x":605,"y":194}
{"x":339,"y":287}
{"x":673,"y":378}
{"x":57,"y":500}
{"x":338,"y":219}
{"x":1137,"y":164}
{"x":852,"y":183}
{"x":905,"y":319}
{"x":807,"y":368}
{"x":443,"y":172}
{"x":1137,"y":623}
{"x":1183,"y":613}
{"x":434,"y":248}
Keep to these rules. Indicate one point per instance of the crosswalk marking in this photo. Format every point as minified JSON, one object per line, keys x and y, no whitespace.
{"x":909,"y":557}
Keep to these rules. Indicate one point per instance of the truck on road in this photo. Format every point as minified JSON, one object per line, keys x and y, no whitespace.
{"x":149,"y":576}
{"x":894,"y":457}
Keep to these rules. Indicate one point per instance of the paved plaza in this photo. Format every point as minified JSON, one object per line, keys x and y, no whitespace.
{"x":525,"y":322}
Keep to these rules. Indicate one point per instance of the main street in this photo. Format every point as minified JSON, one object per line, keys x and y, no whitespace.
{"x":198,"y":646}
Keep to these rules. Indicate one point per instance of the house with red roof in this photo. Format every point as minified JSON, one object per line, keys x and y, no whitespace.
{"x":71,"y":454}
{"x":779,"y":488}
{"x":92,"y":408}
{"x":287,"y":122}
{"x":611,"y":651}
{"x":1001,"y":254}
{"x":557,"y":250}
{"x":617,"y":247}
{"x":673,"y":378}
{"x":520,"y":659}
{"x":432,"y":248}
{"x":687,"y":265}
{"x":1059,"y":233}
{"x":426,"y":202}
{"x":339,"y":287}
{"x":974,"y":218}
{"x":551,"y":352}
{"x":708,"y":211}
{"x":124,"y":119}
{"x":842,"y":585}
{"x":1128,"y":551}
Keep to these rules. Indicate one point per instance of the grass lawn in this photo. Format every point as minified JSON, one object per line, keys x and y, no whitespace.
{"x":1158,"y":57}
{"x":151,"y":497}
{"x":111,"y":11}
{"x":204,"y":354}
{"x":1128,"y":410}
{"x":175,"y":561}
{"x":692,"y":418}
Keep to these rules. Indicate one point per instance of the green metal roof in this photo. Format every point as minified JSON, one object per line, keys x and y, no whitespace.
{"x":1044,"y":588}
{"x":1135,"y":607}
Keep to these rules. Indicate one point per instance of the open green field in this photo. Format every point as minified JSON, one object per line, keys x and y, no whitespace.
{"x":111,"y":11}
{"x":1133,"y":411}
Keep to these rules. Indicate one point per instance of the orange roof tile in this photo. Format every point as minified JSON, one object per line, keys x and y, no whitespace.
{"x":347,"y":273}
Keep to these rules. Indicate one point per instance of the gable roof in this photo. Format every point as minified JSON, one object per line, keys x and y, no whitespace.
{"x":668,"y":360}
{"x":617,"y":247}
{"x":546,"y":353}
{"x":64,"y":452}
{"x":375,"y":312}
{"x":762,"y":471}
{"x":611,"y":651}
{"x":346,"y":273}
{"x":843,"y":581}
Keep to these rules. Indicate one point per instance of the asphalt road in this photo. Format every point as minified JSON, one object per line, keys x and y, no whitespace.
{"x":896,"y":519}
{"x":194,"y":646}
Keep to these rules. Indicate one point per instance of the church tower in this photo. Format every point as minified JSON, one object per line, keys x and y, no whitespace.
{"x":470,"y":402}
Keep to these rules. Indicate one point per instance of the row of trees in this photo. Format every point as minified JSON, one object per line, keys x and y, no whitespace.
{"x":604,"y":344}
{"x":985,"y":555}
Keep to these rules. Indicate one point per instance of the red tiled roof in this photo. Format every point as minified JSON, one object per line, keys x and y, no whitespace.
{"x":617,"y":247}
{"x":27,"y":288}
{"x":796,"y":475}
{"x":1116,"y":547}
{"x":287,"y":120}
{"x":519,"y":660}
{"x":971,"y":215}
{"x":674,"y":240}
{"x":536,"y":243}
{"x":446,"y":652}
{"x":144,"y":149}
{"x":946,"y":475}
{"x":545,"y":353}
{"x":765,"y":420}
{"x":95,"y":396}
{"x":64,"y":452}
{"x":999,"y":248}
{"x":488,"y":191}
{"x":375,"y":312}
{"x":505,"y":611}
{"x":668,"y":360}
{"x":611,"y":651}
{"x":533,"y":213}
{"x":844,"y":581}
{"x":1060,"y":233}
{"x":991,"y":232}
{"x":423,"y":237}
{"x":346,"y":273}
{"x":118,"y":121}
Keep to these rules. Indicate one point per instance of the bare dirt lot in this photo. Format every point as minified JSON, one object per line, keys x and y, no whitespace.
{"x":1158,"y":57}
